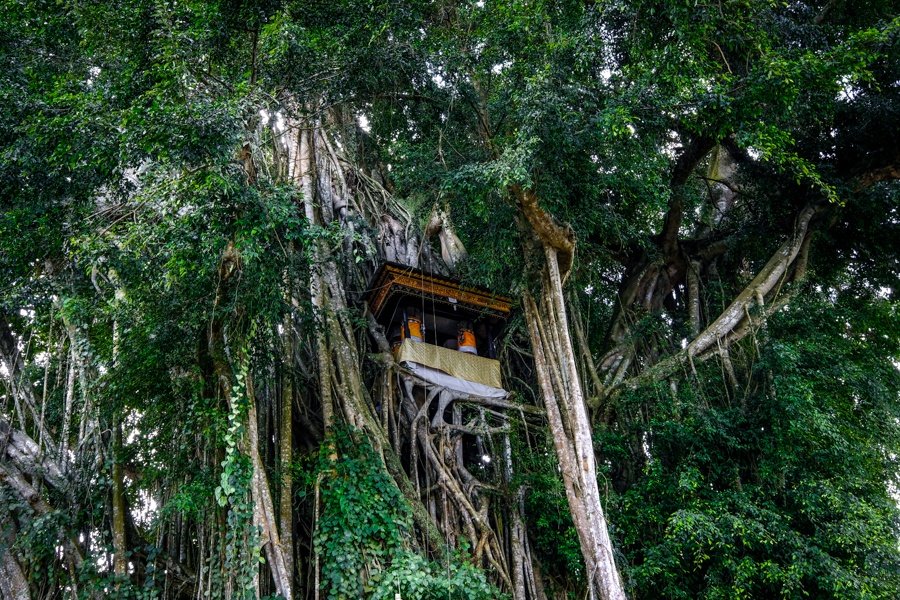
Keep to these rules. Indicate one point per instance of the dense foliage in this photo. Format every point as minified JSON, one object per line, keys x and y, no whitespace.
{"x":783,"y":488}
{"x":360,"y":534}
{"x":162,"y":269}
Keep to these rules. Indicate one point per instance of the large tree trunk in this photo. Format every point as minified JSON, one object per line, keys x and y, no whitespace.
{"x":13,"y":583}
{"x":264,"y":515}
{"x":453,"y":506}
{"x":562,"y":394}
{"x":341,"y":389}
{"x":120,"y":544}
{"x":120,"y":547}
{"x":286,"y":434}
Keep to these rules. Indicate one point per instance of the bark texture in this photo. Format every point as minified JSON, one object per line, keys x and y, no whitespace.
{"x":562,"y":393}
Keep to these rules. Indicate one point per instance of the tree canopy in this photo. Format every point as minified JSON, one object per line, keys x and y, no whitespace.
{"x":693,"y":206}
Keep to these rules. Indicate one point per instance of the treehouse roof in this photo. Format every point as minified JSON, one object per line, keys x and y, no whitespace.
{"x":394,"y":283}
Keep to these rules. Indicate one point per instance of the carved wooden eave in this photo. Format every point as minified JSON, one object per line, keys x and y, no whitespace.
{"x":393,"y":282}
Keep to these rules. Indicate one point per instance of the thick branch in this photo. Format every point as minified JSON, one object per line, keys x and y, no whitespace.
{"x":23,"y":452}
{"x":452,"y":249}
{"x":693,"y":153}
{"x":551,"y":234}
{"x":719,"y":332}
{"x":885,"y":173}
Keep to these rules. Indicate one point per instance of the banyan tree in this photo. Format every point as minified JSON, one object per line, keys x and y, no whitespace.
{"x":426,"y":300}
{"x":432,"y":413}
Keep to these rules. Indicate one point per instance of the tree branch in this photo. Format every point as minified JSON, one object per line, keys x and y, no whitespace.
{"x":885,"y":173}
{"x":721,"y":332}
{"x":549,"y":232}
{"x":693,"y":153}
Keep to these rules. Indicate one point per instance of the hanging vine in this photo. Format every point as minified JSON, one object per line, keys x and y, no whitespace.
{"x":242,"y":548}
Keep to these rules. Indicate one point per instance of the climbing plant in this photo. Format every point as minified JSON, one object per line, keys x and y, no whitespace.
{"x":363,"y":532}
{"x":242,"y":548}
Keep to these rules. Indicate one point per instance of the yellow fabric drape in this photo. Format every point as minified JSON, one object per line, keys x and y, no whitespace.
{"x":477,"y":369}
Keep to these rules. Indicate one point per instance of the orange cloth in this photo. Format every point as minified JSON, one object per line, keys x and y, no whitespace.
{"x":466,"y":341}
{"x":414,"y":324}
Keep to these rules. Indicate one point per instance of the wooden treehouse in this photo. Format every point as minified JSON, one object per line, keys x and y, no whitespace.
{"x":440,"y":330}
{"x":445,"y":408}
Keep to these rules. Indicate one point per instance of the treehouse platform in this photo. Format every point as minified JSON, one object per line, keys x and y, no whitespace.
{"x":441,"y":331}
